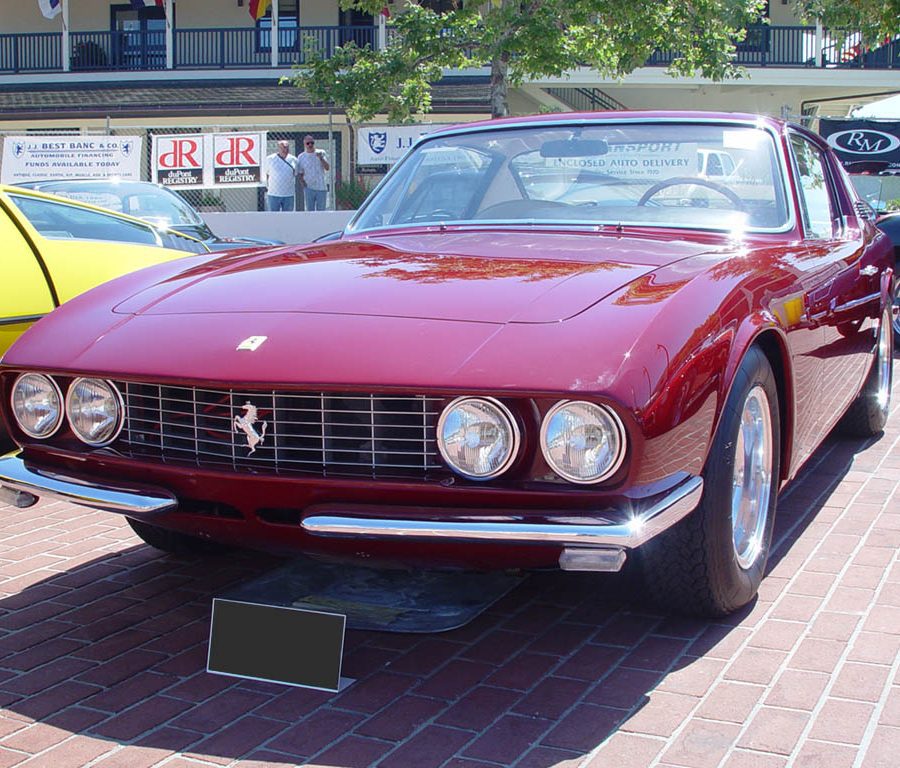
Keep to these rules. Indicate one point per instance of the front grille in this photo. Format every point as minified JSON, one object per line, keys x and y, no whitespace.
{"x":302,"y":432}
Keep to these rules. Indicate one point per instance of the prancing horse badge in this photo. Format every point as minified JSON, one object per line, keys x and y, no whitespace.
{"x":245,"y":424}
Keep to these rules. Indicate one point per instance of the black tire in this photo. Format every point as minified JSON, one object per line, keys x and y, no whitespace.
{"x":695,"y":567}
{"x":173,"y":542}
{"x":868,"y":413}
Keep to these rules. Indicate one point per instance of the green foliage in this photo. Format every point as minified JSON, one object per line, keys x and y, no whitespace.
{"x":875,"y":20}
{"x":521,"y":40}
{"x":350,"y":193}
{"x":209,"y":199}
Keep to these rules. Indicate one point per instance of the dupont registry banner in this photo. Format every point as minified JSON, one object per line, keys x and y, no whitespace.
{"x":864,"y":146}
{"x":36,"y":158}
{"x":206,"y":160}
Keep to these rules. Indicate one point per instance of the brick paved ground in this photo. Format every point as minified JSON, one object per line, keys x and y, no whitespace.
{"x":103,"y":647}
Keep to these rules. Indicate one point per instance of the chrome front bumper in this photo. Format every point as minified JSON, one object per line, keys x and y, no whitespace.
{"x":578,"y":532}
{"x":645,"y":524}
{"x":124,"y":499}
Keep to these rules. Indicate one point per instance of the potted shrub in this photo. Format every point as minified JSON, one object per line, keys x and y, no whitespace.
{"x":349,"y":194}
{"x":210,"y":203}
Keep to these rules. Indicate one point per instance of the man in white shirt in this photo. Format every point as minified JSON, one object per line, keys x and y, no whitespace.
{"x":281,"y":168}
{"x":312,"y":165}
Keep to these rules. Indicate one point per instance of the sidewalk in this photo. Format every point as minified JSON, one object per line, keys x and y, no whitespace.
{"x":103,"y":654}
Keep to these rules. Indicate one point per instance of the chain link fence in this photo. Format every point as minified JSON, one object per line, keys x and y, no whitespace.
{"x":346,"y":187}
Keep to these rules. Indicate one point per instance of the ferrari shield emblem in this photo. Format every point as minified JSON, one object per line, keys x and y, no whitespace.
{"x":251,"y":343}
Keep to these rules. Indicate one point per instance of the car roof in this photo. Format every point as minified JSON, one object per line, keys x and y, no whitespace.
{"x":566,"y":118}
{"x":14,"y":189}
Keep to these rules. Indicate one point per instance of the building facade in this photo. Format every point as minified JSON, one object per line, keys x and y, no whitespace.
{"x":162,"y":66}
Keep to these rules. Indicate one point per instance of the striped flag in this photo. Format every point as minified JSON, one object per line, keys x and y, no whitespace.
{"x":138,"y":4}
{"x":258,"y":8}
{"x":50,"y":8}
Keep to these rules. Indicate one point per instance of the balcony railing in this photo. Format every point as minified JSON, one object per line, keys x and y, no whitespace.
{"x":771,"y":46}
{"x":251,"y":47}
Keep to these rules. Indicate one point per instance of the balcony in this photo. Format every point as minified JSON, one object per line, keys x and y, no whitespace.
{"x":251,"y":47}
{"x":192,"y":49}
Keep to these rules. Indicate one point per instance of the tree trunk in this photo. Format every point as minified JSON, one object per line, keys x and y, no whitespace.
{"x":500,"y":86}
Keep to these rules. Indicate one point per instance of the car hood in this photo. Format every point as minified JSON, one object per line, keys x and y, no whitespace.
{"x":474,"y":277}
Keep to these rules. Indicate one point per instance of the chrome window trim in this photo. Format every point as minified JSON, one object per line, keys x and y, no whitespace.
{"x":774,"y":135}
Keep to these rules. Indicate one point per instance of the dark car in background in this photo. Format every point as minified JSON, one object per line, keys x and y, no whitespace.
{"x":889,"y":223}
{"x":883,"y":194}
{"x":148,"y":201}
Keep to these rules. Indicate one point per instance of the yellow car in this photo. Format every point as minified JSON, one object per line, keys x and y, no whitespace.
{"x":52,"y":249}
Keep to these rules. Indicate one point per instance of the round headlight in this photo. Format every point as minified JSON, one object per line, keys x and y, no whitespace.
{"x":477,"y":437}
{"x":582,"y":442}
{"x":37,"y":405}
{"x":94,"y":408}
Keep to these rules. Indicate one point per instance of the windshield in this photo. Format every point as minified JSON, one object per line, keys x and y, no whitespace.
{"x":141,"y":200}
{"x":697,"y":175}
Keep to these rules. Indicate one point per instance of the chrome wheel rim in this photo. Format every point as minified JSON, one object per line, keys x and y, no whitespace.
{"x":884,"y":360}
{"x":752,"y":481}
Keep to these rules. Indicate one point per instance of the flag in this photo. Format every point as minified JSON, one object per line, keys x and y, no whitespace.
{"x":138,"y":4}
{"x":50,"y":8}
{"x":258,"y":8}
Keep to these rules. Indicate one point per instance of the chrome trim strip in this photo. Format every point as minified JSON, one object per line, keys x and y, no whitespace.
{"x":847,"y":306}
{"x":127,"y":500}
{"x":662,"y":515}
{"x":21,"y":319}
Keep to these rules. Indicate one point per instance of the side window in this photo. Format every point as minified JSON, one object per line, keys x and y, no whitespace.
{"x":816,"y":204}
{"x":57,"y":220}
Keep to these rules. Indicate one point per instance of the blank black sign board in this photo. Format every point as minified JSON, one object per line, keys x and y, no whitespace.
{"x":276,"y":644}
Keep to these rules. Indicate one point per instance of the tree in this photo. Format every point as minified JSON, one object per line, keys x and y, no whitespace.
{"x":521,"y":40}
{"x":875,"y":20}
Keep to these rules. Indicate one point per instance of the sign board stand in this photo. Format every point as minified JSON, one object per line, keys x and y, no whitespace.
{"x":277,"y":644}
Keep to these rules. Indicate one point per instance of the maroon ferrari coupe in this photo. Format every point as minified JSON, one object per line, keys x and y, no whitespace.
{"x":552,"y":341}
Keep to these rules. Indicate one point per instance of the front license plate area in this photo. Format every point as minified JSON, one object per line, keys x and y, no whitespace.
{"x":276,"y":644}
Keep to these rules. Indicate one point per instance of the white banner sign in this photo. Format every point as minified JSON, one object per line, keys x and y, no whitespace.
{"x":36,"y":158}
{"x":386,"y":144}
{"x":638,"y":161}
{"x":206,"y":160}
{"x":178,"y":160}
{"x":237,"y":159}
